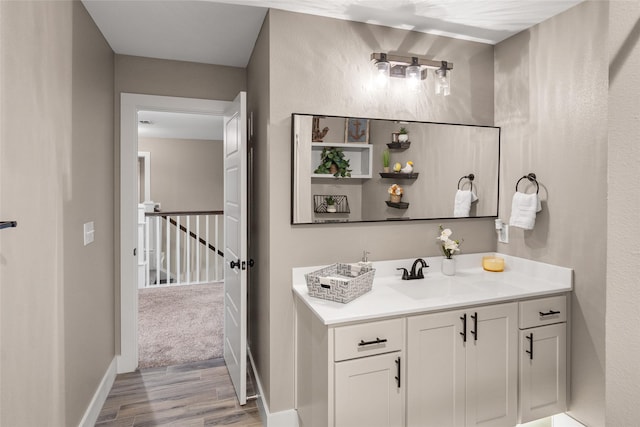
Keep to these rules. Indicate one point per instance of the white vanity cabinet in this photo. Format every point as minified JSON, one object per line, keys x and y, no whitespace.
{"x":448,"y":351}
{"x":543,"y":358}
{"x":350,"y":376}
{"x":462,"y":367}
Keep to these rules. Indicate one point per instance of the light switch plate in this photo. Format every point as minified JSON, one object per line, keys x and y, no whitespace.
{"x":89,"y":233}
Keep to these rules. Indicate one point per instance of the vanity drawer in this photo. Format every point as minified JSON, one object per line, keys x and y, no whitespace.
{"x":367,"y":339}
{"x":543,"y":311}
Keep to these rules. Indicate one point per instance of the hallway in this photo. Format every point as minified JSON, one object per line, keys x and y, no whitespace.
{"x":193,"y":394}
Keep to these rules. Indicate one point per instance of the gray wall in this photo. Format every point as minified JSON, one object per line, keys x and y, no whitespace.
{"x":186,"y":174}
{"x":56,"y":172}
{"x":320,"y":65}
{"x":258,"y":101}
{"x":554,"y":123}
{"x":623,"y":248}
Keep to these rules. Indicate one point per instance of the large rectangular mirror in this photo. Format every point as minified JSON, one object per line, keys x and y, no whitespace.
{"x":435,"y":160}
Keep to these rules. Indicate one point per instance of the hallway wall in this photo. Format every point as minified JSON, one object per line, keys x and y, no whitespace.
{"x":56,"y":173}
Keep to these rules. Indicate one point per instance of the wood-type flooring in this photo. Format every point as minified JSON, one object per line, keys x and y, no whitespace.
{"x":189,"y":395}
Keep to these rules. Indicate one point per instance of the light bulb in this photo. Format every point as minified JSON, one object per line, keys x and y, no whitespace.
{"x":443,"y":80}
{"x":412,"y":74}
{"x":383,"y":71}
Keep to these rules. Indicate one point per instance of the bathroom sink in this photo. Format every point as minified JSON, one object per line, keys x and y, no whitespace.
{"x":441,"y":287}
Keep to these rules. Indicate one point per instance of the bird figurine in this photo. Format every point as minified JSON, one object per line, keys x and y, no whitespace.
{"x":408,"y":167}
{"x":397,"y":166}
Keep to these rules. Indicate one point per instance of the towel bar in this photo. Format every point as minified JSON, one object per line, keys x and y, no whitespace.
{"x":470,"y":177}
{"x":532,"y":178}
{"x":8,"y":224}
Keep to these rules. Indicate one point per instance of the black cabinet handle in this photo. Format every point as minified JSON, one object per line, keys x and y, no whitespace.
{"x":464,"y":327}
{"x":530,"y":351}
{"x":377,"y":341}
{"x":398,"y":367}
{"x":235,"y":264}
{"x":549,"y":313}
{"x":474,"y":316}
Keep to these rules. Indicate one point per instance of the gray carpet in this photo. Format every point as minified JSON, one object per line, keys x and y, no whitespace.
{"x":180,"y":324}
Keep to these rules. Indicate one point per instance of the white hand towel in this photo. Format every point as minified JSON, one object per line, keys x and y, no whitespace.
{"x":462,"y":203}
{"x":523,"y":210}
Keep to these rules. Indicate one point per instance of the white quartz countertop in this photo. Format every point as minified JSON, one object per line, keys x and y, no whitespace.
{"x":391,"y":296}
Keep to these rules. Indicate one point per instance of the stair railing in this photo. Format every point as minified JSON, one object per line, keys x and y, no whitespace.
{"x":182,"y":248}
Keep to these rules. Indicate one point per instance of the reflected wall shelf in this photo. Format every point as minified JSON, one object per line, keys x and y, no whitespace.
{"x":399,"y":145}
{"x":397,"y":205}
{"x":399,"y":175}
{"x":359,"y":156}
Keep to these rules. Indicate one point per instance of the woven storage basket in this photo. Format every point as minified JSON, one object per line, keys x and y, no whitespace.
{"x":341,"y":282}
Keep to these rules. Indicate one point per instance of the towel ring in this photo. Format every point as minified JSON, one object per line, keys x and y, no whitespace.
{"x":532,"y":178}
{"x":470,"y":177}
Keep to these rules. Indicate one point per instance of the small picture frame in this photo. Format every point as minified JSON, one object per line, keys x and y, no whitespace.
{"x":356,"y":131}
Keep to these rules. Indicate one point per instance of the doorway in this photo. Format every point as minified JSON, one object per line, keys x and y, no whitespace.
{"x":131,"y":105}
{"x":180,"y":236}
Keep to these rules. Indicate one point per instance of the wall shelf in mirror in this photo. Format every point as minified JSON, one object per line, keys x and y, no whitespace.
{"x":397,"y":205}
{"x":359,"y":156}
{"x":399,"y":145}
{"x":341,"y":203}
{"x":399,"y":175}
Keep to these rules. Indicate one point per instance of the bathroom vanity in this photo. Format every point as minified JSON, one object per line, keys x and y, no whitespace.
{"x":475,"y":349}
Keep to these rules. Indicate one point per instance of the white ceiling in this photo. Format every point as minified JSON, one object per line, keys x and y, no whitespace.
{"x":180,"y":125}
{"x":224,"y":31}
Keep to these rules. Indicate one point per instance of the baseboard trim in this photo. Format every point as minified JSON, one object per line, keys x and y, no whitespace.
{"x":287,"y":418}
{"x":100,"y":396}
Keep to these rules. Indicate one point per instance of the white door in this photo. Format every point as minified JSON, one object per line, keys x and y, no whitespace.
{"x":368,"y":391}
{"x":436,"y":370}
{"x":543,"y":372}
{"x":492,"y":366}
{"x":235,"y":244}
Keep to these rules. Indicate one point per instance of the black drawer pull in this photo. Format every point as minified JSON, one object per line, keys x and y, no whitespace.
{"x":549,"y":313}
{"x":377,"y":341}
{"x":464,"y":327}
{"x":398,"y":376}
{"x":530,"y":351}
{"x":474,"y":332}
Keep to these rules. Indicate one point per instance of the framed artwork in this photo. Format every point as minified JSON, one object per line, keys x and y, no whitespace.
{"x":356,"y":130}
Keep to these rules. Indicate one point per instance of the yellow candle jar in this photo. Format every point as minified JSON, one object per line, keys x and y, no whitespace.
{"x":493,"y":263}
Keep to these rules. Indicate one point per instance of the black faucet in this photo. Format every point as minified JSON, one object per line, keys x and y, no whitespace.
{"x":414,"y":274}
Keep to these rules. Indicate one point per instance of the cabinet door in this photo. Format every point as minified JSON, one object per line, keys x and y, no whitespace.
{"x":492,"y":366}
{"x":367,"y":392}
{"x":435,"y":370}
{"x":543,"y":374}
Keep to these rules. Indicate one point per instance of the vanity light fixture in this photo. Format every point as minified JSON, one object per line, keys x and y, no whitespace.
{"x":383,"y":70}
{"x":412,"y":68}
{"x":443,"y":80}
{"x":412,"y":75}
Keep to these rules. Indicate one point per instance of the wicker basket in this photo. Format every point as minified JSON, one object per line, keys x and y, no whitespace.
{"x":340,"y":282}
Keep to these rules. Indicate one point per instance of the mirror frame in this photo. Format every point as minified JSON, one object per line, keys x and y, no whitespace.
{"x":390,"y":220}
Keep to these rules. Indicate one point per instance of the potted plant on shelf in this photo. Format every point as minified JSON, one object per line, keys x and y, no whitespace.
{"x":395,"y":193}
{"x":403,"y":135}
{"x":333,"y":161}
{"x":331,"y":204}
{"x":385,"y":161}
